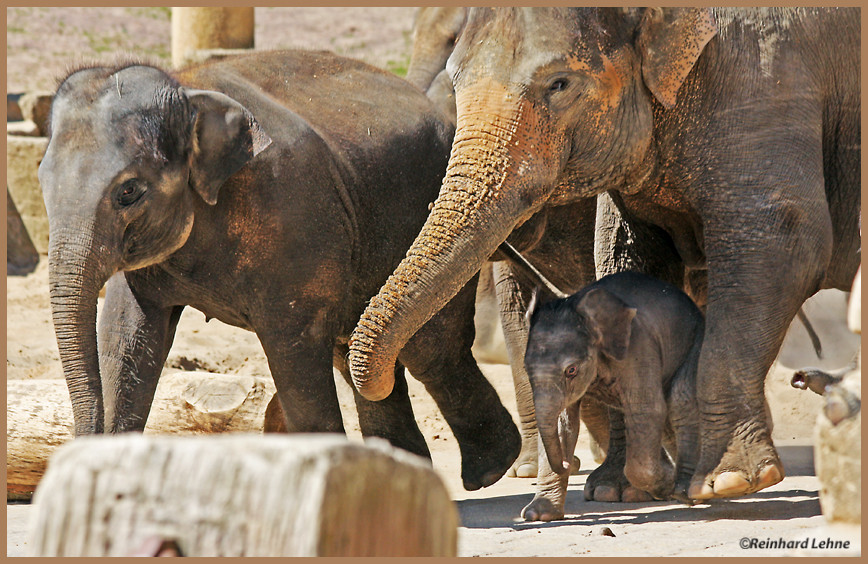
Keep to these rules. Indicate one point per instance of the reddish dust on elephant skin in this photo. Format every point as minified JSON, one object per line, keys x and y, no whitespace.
{"x":499,"y":137}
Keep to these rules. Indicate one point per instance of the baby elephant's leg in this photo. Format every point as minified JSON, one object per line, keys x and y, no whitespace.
{"x":684,"y":418}
{"x":646,"y":466}
{"x":607,"y":482}
{"x":551,"y":490}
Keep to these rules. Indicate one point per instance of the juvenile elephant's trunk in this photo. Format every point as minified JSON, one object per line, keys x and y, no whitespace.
{"x":74,"y":283}
{"x":473,"y":214}
{"x":548,"y":407}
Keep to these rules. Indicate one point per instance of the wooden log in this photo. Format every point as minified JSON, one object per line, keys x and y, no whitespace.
{"x":39,"y":417}
{"x":194,"y":29}
{"x":241,"y":495}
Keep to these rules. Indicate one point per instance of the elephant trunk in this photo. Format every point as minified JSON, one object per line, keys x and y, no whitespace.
{"x":473,"y":214}
{"x":74,"y":283}
{"x":548,"y":406}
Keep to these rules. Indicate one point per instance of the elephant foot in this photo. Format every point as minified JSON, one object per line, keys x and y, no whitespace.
{"x":484,"y":463}
{"x":738,"y":475}
{"x":734,"y":483}
{"x":528,"y":468}
{"x":525,"y":465}
{"x":607,"y":483}
{"x":542,"y":509}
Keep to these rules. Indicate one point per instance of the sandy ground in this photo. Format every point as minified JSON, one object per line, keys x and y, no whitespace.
{"x":43,"y":42}
{"x":490,"y":517}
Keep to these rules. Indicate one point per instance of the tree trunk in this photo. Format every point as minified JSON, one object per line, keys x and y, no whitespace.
{"x":39,"y":417}
{"x":272,"y":495}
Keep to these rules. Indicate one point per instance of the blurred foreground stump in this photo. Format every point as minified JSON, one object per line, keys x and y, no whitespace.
{"x":21,"y":255}
{"x":241,"y":495}
{"x":838,"y":438}
{"x":39,"y":417}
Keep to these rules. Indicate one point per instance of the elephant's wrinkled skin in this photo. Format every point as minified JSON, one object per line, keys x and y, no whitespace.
{"x":541,"y":239}
{"x":733,"y":134}
{"x":632,"y":342}
{"x":274,"y":192}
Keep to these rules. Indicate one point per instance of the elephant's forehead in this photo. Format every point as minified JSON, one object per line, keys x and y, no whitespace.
{"x":517,"y":42}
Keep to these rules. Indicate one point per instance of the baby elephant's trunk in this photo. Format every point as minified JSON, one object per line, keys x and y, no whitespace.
{"x":548,"y":412}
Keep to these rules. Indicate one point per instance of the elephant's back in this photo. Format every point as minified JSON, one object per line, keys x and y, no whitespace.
{"x":343,"y":99}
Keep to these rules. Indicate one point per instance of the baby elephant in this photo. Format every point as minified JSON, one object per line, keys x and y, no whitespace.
{"x":631,"y":342}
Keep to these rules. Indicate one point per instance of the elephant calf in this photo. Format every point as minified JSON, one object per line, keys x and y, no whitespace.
{"x":275,"y":192}
{"x":632,"y":342}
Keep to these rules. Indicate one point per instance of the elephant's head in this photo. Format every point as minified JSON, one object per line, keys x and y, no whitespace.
{"x":435,"y":32}
{"x":130,"y":155}
{"x":553,"y":105}
{"x":568,"y":339}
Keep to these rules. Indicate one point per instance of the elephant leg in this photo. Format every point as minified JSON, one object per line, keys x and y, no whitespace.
{"x":134,"y":337}
{"x":595,"y":416}
{"x":608,"y":482}
{"x":684,"y":420}
{"x":513,"y":300}
{"x":391,"y":418}
{"x":551,"y":490}
{"x":763,"y":262}
{"x":647,"y":467}
{"x":299,"y":346}
{"x":439,"y":355}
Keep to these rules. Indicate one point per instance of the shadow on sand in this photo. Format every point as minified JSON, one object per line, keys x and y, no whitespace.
{"x":504,"y":511}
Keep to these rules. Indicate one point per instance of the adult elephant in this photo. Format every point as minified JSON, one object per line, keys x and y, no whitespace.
{"x":735,"y":132}
{"x":275,"y":192}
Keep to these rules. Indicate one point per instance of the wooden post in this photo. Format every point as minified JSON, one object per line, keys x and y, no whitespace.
{"x":241,"y":495}
{"x":209,"y":28}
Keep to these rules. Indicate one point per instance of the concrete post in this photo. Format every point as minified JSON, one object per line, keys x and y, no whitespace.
{"x":209,"y":28}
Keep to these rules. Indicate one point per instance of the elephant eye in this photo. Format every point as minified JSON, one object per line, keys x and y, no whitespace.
{"x":559,"y":85}
{"x":571,"y":371}
{"x":129,"y":192}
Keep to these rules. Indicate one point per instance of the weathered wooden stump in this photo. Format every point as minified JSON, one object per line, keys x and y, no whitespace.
{"x":194,"y":29}
{"x":39,"y":417}
{"x":241,"y":495}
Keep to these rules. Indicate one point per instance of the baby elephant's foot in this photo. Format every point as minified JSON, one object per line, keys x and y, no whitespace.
{"x":542,"y":509}
{"x":607,"y":483}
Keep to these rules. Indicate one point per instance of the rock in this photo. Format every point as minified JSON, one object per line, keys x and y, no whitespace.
{"x":241,"y":495}
{"x":21,"y":256}
{"x":36,"y":107}
{"x":23,"y":155}
{"x":838,"y":442}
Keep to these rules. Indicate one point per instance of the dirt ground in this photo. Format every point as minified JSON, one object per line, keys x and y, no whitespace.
{"x":43,"y":42}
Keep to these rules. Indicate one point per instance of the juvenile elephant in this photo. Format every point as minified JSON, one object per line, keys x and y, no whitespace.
{"x":275,"y":192}
{"x":632,"y":342}
{"x":732,"y":135}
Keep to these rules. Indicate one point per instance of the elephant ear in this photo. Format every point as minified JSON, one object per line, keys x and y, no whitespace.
{"x":612,"y":319}
{"x":670,"y":42}
{"x":225,"y":137}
